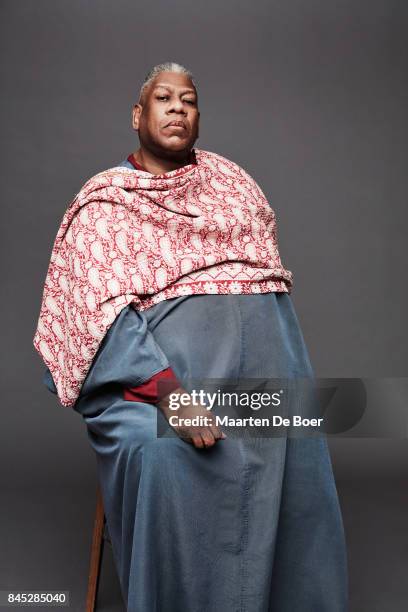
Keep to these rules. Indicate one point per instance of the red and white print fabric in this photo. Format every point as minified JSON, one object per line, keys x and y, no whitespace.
{"x":132,"y":237}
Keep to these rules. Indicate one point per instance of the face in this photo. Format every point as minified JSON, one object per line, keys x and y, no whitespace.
{"x":171,"y":97}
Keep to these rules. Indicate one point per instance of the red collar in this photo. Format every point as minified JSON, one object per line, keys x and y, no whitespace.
{"x":131,"y":159}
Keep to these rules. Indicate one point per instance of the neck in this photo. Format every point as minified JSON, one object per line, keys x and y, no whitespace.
{"x":160,"y":165}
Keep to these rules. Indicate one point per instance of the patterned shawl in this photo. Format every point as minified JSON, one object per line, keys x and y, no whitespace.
{"x":132,"y":237}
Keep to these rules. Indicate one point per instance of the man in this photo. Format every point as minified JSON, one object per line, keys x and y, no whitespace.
{"x":166,"y":269}
{"x":167,"y":121}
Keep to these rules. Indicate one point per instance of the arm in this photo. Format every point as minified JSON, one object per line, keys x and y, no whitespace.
{"x":130,"y":356}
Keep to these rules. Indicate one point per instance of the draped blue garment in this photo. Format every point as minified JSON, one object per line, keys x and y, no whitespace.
{"x":249,"y":525}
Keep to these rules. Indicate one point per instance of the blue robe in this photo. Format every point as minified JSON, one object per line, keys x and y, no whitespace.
{"x":249,"y":525}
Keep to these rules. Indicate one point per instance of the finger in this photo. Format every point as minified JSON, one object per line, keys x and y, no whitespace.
{"x":217,"y":433}
{"x":208,"y":437}
{"x":215,"y":430}
{"x":197,"y":441}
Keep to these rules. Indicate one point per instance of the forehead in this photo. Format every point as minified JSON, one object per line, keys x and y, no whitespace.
{"x":173,"y":81}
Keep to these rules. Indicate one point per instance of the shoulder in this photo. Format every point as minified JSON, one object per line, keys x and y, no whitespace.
{"x":224,"y":165}
{"x":228,"y":169}
{"x":111,"y":177}
{"x":98,"y":196}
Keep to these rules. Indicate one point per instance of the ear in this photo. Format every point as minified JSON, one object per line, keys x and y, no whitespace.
{"x":136,"y":111}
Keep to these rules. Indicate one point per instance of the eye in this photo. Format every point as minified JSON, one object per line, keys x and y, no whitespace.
{"x":190,"y":101}
{"x":161,"y":97}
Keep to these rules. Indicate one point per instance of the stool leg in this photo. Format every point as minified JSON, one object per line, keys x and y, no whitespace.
{"x":96,"y":553}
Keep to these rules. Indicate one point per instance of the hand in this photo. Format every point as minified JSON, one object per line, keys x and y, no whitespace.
{"x":201,"y":436}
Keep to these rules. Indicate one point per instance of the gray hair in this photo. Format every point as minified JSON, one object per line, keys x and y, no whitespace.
{"x":166,"y":67}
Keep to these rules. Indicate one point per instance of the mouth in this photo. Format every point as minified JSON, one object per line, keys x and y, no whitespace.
{"x":177,"y":124}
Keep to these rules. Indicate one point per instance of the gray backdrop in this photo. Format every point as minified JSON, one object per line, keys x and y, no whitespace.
{"x":310,"y":98}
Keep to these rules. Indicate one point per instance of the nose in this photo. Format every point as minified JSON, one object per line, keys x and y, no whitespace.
{"x":177,"y":105}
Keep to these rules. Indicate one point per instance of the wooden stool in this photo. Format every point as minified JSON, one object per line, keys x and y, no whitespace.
{"x":98,"y":540}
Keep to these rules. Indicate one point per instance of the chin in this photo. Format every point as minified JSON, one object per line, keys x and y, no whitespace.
{"x":177,"y":147}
